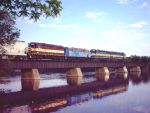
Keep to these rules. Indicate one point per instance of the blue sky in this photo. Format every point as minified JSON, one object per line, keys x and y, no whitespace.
{"x":115,"y":25}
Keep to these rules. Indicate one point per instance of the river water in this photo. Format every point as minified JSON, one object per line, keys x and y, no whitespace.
{"x":129,"y":96}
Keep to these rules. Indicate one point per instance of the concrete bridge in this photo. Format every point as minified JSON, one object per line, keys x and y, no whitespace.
{"x":30,"y":77}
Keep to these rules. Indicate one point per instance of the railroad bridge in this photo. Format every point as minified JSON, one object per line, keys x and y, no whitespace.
{"x":30,"y":77}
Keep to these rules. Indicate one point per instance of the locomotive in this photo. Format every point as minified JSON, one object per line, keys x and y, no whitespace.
{"x":42,"y":50}
{"x":36,"y":50}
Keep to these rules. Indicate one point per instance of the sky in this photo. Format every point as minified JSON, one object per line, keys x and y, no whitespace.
{"x":113,"y":25}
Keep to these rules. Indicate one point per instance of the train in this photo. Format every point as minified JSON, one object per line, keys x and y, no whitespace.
{"x":13,"y":51}
{"x":36,"y":50}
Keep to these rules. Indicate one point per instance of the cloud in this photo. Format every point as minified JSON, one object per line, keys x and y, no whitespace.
{"x":142,"y":109}
{"x":124,"y":1}
{"x":138,"y":25}
{"x":121,"y":38}
{"x":58,"y":26}
{"x":133,"y":26}
{"x":97,"y":17}
{"x":144,"y":5}
{"x":73,"y":27}
{"x":26,"y":20}
{"x":29,"y":21}
{"x":94,"y":15}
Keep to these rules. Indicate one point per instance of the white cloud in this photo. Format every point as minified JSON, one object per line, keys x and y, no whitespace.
{"x":97,"y":17}
{"x":58,"y":26}
{"x":29,"y":21}
{"x":48,"y":25}
{"x":138,"y":25}
{"x":133,"y":26}
{"x":94,"y":15}
{"x":142,"y":109}
{"x":73,"y":27}
{"x":144,"y":5}
{"x":123,"y":39}
{"x":124,"y":1}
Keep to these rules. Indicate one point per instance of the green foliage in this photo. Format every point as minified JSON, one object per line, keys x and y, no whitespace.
{"x":8,"y":32}
{"x":32,"y":8}
{"x":140,"y":58}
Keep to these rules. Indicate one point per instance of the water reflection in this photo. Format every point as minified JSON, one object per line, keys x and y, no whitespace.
{"x":30,"y":84}
{"x":50,"y":105}
{"x":122,"y":75}
{"x":139,"y":77}
{"x":135,"y":73}
{"x":88,"y":94}
{"x":73,"y":95}
{"x":76,"y":99}
{"x":18,"y":109}
{"x":111,"y":90}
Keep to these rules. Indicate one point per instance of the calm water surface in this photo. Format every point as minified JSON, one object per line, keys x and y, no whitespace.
{"x":128,"y":97}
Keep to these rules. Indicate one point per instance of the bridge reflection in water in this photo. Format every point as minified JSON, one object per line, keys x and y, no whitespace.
{"x":60,"y":97}
{"x":69,"y":95}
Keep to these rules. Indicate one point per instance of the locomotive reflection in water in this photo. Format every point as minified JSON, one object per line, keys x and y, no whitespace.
{"x":50,"y":106}
{"x":76,"y":95}
{"x":89,"y":93}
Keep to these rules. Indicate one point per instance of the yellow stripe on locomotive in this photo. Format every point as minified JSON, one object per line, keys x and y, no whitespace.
{"x":93,"y":54}
{"x":107,"y":55}
{"x":46,"y":50}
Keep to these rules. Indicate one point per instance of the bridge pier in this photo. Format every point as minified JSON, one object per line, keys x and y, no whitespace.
{"x":146,"y":69}
{"x":74,"y":76}
{"x":136,"y":71}
{"x":30,"y":79}
{"x":102,"y":73}
{"x":122,"y":72}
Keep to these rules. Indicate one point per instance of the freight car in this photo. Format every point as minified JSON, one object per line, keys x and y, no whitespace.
{"x":14,"y":51}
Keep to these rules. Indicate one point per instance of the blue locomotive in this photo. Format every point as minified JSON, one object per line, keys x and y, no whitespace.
{"x":77,"y":52}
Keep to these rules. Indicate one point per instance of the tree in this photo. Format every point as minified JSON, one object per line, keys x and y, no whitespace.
{"x":8,"y":32}
{"x":32,"y":8}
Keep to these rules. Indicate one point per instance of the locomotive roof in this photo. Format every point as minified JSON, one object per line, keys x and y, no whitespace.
{"x":45,"y":44}
{"x":114,"y":52}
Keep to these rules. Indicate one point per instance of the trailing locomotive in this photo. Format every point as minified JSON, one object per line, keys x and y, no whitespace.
{"x":50,"y":51}
{"x":106,"y":54}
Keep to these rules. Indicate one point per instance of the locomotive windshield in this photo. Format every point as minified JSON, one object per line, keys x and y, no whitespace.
{"x":32,"y":45}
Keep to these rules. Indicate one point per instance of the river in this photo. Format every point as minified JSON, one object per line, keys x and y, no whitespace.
{"x":127,"y":96}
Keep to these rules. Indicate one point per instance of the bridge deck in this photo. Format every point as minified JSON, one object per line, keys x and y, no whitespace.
{"x":52,"y":64}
